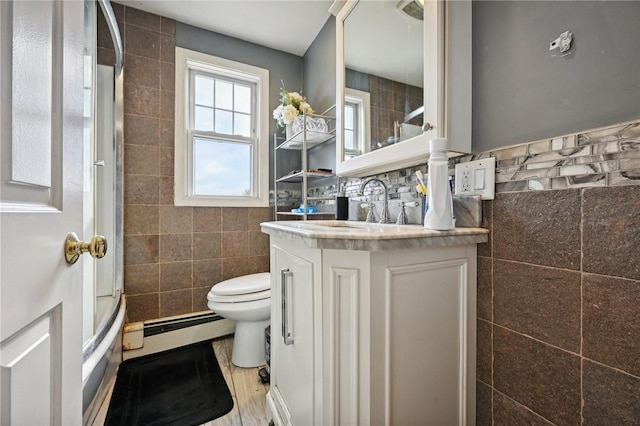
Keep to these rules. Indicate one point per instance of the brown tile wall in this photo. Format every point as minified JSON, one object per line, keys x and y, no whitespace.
{"x":391,"y":101}
{"x":559,"y":308}
{"x":172,"y":255}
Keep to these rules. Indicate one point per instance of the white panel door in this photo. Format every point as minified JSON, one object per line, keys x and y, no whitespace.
{"x":41,"y":190}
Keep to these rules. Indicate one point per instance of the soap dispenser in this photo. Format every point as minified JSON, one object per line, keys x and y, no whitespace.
{"x":439,"y":214}
{"x":342,"y":205}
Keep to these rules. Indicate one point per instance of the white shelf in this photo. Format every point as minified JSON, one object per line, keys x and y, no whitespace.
{"x":297,"y":141}
{"x":307,"y":138}
{"x":297,"y":177}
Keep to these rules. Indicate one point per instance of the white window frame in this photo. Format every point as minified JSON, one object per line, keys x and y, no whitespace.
{"x":362,"y":102}
{"x":187,"y":60}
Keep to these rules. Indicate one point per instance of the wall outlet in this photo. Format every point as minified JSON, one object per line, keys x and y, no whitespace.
{"x":477,"y":178}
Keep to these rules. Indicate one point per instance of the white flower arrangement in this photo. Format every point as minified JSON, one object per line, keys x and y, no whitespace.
{"x":291,"y":105}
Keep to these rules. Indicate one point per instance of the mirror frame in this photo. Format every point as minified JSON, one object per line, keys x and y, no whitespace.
{"x":445,"y":77}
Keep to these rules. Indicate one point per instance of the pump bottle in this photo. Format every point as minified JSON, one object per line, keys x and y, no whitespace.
{"x":439,"y":214}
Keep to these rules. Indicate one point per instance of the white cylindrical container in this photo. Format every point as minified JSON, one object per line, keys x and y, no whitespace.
{"x":439,"y":215}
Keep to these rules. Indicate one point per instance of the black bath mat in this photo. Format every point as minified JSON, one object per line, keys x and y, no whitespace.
{"x":182,"y":386}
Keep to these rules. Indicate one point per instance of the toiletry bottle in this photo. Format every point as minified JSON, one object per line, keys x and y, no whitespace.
{"x":342,"y":206}
{"x":439,"y":213}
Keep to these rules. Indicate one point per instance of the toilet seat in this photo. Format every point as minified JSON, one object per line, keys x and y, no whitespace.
{"x":237,"y":298}
{"x":242,"y":289}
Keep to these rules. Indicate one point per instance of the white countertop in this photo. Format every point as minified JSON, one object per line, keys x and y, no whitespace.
{"x":352,"y":235}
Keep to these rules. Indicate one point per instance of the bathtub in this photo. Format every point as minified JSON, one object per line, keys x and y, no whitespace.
{"x":101,"y":357}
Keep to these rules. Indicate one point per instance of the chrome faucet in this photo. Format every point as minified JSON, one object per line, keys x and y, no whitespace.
{"x":384,"y":215}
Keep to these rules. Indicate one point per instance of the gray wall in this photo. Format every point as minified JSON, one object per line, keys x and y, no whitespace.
{"x":282,"y":66}
{"x":320,"y":86}
{"x":356,"y":80}
{"x":320,"y":68}
{"x":521,"y":92}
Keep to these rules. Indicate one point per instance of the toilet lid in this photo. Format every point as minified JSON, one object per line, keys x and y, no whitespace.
{"x":245,"y":284}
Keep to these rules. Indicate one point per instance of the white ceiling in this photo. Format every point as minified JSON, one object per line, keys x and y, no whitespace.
{"x":287,"y":25}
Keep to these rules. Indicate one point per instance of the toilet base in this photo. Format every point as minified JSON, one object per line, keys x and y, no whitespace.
{"x":248,"y":344}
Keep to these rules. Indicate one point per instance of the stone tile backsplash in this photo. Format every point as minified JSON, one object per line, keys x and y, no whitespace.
{"x":602,"y":157}
{"x":607,"y":156}
{"x":598,"y":158}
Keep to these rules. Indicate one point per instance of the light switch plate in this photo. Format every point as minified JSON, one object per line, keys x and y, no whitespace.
{"x":477,"y":178}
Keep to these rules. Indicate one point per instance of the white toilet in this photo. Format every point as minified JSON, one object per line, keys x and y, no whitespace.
{"x":247,"y":300}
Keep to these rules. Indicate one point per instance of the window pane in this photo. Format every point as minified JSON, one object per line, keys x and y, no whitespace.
{"x":224,"y":122}
{"x":224,"y":95}
{"x":242,"y":124}
{"x":221,"y":168}
{"x":204,"y":90}
{"x":203,"y":119}
{"x":348,"y":139}
{"x":348,"y":116}
{"x":242,"y":99}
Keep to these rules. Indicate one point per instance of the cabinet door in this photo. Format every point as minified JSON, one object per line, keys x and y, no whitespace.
{"x":292,"y":338}
{"x":423,"y":337}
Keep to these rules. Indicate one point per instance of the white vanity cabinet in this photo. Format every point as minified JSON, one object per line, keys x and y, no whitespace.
{"x":399,"y":332}
{"x":295,"y":313}
{"x":387,"y":330}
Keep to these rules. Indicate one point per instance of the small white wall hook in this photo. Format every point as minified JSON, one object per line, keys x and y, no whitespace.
{"x":563,"y":42}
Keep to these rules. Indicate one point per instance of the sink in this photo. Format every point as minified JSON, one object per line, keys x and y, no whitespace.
{"x":333,"y":224}
{"x":347,"y":226}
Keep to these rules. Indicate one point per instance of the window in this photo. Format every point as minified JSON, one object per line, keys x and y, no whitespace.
{"x":356,"y":122}
{"x":351,"y":133}
{"x":221,"y":132}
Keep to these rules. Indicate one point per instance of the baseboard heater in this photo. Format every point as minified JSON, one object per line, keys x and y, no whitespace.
{"x":153,"y":328}
{"x":144,"y":338}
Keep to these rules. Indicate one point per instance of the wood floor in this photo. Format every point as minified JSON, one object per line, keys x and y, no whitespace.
{"x":249,"y":394}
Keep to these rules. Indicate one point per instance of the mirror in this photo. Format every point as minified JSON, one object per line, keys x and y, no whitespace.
{"x":385,"y":71}
{"x":388,"y":80}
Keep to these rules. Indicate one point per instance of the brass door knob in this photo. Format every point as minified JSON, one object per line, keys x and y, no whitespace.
{"x":73,"y":247}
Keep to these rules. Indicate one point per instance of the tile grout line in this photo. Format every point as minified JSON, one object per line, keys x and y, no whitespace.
{"x":616,"y":369}
{"x":582,"y":191}
{"x":193,"y":304}
{"x":522,"y":405}
{"x":492,"y":231}
{"x":538,"y":340}
{"x":539,"y":265}
{"x":159,"y":229}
